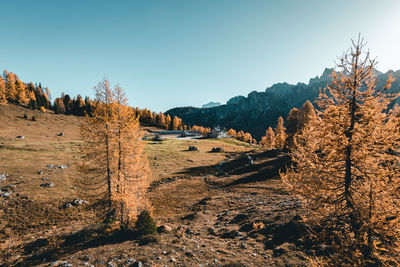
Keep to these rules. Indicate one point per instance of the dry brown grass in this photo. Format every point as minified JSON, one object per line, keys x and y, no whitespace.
{"x":33,"y":218}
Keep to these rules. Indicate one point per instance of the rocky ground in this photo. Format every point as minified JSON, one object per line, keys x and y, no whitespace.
{"x":213,"y":209}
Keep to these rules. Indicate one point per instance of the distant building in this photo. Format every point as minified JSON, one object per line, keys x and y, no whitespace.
{"x":191,"y":133}
{"x":177,"y":133}
{"x":217,"y":132}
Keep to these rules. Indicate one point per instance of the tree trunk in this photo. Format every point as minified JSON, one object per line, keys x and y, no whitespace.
{"x":108,"y":168}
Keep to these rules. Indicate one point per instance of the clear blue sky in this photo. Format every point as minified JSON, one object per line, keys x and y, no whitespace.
{"x":176,"y":53}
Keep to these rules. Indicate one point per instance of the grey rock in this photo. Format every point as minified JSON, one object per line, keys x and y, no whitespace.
{"x":50,"y":166}
{"x":137,"y":264}
{"x":2,"y":177}
{"x":20,"y":137}
{"x":216,"y":149}
{"x":193,"y":148}
{"x":62,"y":166}
{"x":189,"y":253}
{"x":47,"y":185}
{"x":78,"y":202}
{"x":164,"y":228}
{"x":60,"y":134}
{"x":5,"y":194}
{"x":40,"y":173}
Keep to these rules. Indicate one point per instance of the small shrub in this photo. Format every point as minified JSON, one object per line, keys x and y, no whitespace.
{"x":42,"y":109}
{"x":25,"y":116}
{"x":145,"y":224}
{"x":33,"y":118}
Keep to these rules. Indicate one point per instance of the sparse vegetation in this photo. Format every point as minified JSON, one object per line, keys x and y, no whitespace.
{"x":145,"y":224}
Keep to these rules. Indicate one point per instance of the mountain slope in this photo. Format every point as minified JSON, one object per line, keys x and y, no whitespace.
{"x":259,"y":110}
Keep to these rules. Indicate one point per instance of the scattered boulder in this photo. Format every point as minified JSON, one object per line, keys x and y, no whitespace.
{"x":20,"y":137}
{"x":2,"y":177}
{"x":60,"y":134}
{"x":250,"y":160}
{"x":5,"y":194}
{"x":62,"y":166}
{"x":75,"y":203}
{"x":78,"y":202}
{"x":47,"y":185}
{"x":40,"y":173}
{"x":50,"y":166}
{"x":193,"y":148}
{"x":189,"y":254}
{"x":164,"y":228}
{"x":217,"y":149}
{"x":137,"y":264}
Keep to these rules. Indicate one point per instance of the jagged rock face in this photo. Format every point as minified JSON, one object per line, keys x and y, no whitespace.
{"x":259,"y":110}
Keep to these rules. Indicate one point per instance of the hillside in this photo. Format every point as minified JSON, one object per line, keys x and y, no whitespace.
{"x":221,"y":208}
{"x":259,"y":110}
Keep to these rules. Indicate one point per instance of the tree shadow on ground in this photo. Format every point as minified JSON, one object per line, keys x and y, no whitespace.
{"x":56,"y":246}
{"x":253,"y":166}
{"x":52,"y":248}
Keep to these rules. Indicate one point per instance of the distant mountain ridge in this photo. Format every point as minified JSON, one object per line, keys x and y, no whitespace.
{"x":211,"y":104}
{"x":259,"y":110}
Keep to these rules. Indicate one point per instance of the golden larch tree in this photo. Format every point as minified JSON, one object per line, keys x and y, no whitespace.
{"x":22,"y":95}
{"x":231,"y":132}
{"x":132,"y":168}
{"x":292,"y":124}
{"x":10,"y":86}
{"x":98,"y":140}
{"x":268,"y":141}
{"x":346,"y":164}
{"x":168,"y":122}
{"x":176,"y":122}
{"x":280,"y":134}
{"x":3,"y":93}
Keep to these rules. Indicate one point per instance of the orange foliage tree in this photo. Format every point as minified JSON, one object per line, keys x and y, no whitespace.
{"x":113,"y":153}
{"x":3,"y":92}
{"x":346,"y":165}
{"x":268,"y":141}
{"x":231,"y":132}
{"x":280,"y":134}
